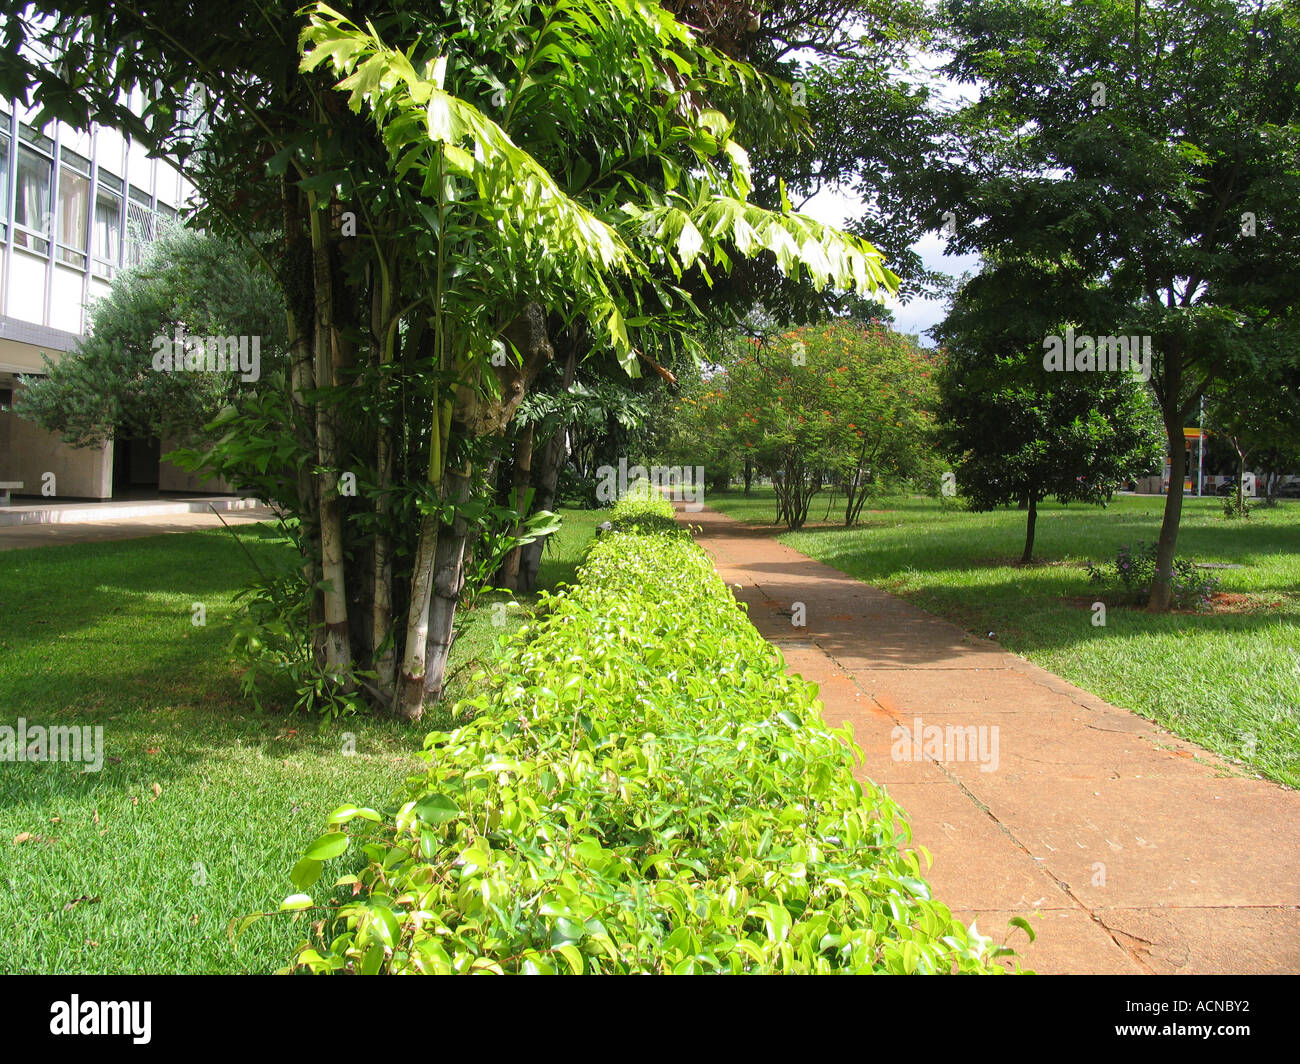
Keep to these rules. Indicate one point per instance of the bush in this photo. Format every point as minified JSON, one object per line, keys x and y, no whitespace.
{"x":1232,"y":509}
{"x":643,"y":789}
{"x":1136,"y":569}
{"x":271,"y":643}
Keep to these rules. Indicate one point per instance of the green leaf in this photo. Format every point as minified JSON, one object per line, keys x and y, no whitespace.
{"x":305,"y":873}
{"x":436,"y":809}
{"x":329,"y":845}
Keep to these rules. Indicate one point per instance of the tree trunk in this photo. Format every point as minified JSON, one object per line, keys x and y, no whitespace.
{"x":553,"y":457}
{"x":1161,"y":591}
{"x":857,"y":487}
{"x":295,"y":282}
{"x":1241,"y":477}
{"x":336,"y":643}
{"x":749,"y":474}
{"x":410,"y":696}
{"x":410,"y":700}
{"x":1031,"y":504}
{"x":448,"y":579}
{"x":508,"y":577}
{"x":383,"y":333}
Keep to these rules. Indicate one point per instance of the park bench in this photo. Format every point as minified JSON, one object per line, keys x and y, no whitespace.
{"x":6,"y":486}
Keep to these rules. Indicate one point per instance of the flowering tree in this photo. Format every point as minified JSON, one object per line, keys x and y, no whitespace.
{"x":844,"y":405}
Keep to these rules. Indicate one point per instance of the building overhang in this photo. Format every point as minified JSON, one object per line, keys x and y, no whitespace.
{"x":22,"y":344}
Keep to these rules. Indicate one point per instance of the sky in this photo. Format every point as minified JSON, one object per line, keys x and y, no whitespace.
{"x":835,"y":207}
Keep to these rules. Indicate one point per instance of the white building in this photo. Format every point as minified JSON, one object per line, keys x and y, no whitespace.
{"x":74,"y":209}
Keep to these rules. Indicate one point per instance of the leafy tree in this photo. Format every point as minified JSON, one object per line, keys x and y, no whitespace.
{"x":842,"y":404}
{"x":1149,"y":151}
{"x":487,"y":176}
{"x":1018,"y":434}
{"x":1258,"y":416}
{"x":190,"y":285}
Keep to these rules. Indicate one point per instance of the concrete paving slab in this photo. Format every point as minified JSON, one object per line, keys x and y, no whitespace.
{"x":18,"y":537}
{"x":1221,"y":941}
{"x":1068,"y":942}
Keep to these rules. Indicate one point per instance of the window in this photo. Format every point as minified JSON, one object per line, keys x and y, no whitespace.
{"x":140,"y":228}
{"x":74,"y":208}
{"x":32,"y":191}
{"x":106,"y":252}
{"x":4,"y":185}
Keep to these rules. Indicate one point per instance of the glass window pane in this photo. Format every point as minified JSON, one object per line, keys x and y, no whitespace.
{"x":140,"y":232}
{"x":74,"y":203}
{"x":74,"y":162}
{"x":4,"y":183}
{"x":108,"y":227}
{"x":30,"y":136}
{"x":32,"y":198}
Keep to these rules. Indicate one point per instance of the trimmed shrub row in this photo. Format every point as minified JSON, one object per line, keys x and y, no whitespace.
{"x":642,"y":788}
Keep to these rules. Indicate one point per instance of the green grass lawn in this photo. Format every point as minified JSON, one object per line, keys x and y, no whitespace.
{"x":202,"y":805}
{"x":1229,"y":680}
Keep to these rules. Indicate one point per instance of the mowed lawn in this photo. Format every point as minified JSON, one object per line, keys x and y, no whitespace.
{"x":1229,"y":680}
{"x":202,"y":805}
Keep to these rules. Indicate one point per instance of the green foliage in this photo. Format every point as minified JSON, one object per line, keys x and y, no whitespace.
{"x":246,"y":445}
{"x":1069,"y":167}
{"x":567,"y":233}
{"x":1017,"y":433}
{"x":844,"y":404}
{"x":1235,"y":506}
{"x":499,"y":530}
{"x":271,"y":642}
{"x":1135,"y":569}
{"x":643,"y":789}
{"x":107,"y":385}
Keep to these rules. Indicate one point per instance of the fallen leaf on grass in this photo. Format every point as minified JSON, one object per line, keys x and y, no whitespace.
{"x":157,"y":792}
{"x":22,"y":837}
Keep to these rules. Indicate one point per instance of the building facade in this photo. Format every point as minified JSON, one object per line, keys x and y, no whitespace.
{"x":75,"y":208}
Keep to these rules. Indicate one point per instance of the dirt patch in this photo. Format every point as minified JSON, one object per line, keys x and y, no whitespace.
{"x":1220,"y":602}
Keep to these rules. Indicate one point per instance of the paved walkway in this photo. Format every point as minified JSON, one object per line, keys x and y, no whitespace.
{"x":15,"y":537}
{"x":1142,"y":853}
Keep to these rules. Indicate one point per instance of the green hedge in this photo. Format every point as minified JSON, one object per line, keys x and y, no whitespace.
{"x":642,"y":789}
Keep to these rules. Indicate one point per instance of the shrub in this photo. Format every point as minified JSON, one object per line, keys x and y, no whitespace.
{"x":1232,"y":508}
{"x":271,"y":643}
{"x":643,"y":789}
{"x":1135,"y":569}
